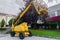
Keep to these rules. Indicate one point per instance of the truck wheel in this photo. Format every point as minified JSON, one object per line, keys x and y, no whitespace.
{"x":30,"y":34}
{"x":12,"y":34}
{"x":21,"y":35}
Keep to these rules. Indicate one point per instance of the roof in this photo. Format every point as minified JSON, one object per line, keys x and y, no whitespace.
{"x":4,"y":14}
{"x":56,"y":18}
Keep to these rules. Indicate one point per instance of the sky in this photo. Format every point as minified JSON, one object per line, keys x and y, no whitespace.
{"x":11,"y":6}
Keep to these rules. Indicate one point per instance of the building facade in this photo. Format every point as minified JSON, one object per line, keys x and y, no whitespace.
{"x":6,"y":17}
{"x":53,"y":7}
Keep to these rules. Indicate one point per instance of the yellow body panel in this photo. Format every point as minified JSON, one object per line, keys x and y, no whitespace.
{"x":12,"y":27}
{"x":22,"y":27}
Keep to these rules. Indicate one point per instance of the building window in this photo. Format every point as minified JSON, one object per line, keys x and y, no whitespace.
{"x":50,"y":0}
{"x":58,"y":12}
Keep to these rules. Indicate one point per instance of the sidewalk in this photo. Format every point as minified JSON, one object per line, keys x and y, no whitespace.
{"x":7,"y":37}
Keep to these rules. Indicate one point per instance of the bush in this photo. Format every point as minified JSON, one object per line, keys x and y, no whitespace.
{"x":2,"y":23}
{"x":10,"y":22}
{"x":2,"y":29}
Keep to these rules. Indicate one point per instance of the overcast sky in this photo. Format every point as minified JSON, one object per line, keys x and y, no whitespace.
{"x":12,"y":6}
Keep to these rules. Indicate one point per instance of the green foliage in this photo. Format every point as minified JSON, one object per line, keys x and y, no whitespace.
{"x":10,"y":22}
{"x":2,"y":29}
{"x":52,"y":23}
{"x":2,"y":23}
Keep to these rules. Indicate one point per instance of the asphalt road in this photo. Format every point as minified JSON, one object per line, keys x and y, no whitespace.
{"x":7,"y":37}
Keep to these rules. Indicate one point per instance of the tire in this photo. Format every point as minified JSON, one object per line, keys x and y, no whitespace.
{"x":12,"y":34}
{"x":21,"y":35}
{"x":30,"y":34}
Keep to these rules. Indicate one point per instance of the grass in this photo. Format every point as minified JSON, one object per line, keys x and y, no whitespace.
{"x":52,"y":33}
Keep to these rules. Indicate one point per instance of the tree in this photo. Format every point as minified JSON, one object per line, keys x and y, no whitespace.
{"x":2,"y":23}
{"x":10,"y":22}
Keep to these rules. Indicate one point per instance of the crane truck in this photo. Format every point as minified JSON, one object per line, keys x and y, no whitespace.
{"x":27,"y":16}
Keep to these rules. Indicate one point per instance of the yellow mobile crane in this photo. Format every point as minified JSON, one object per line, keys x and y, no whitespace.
{"x":22,"y":28}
